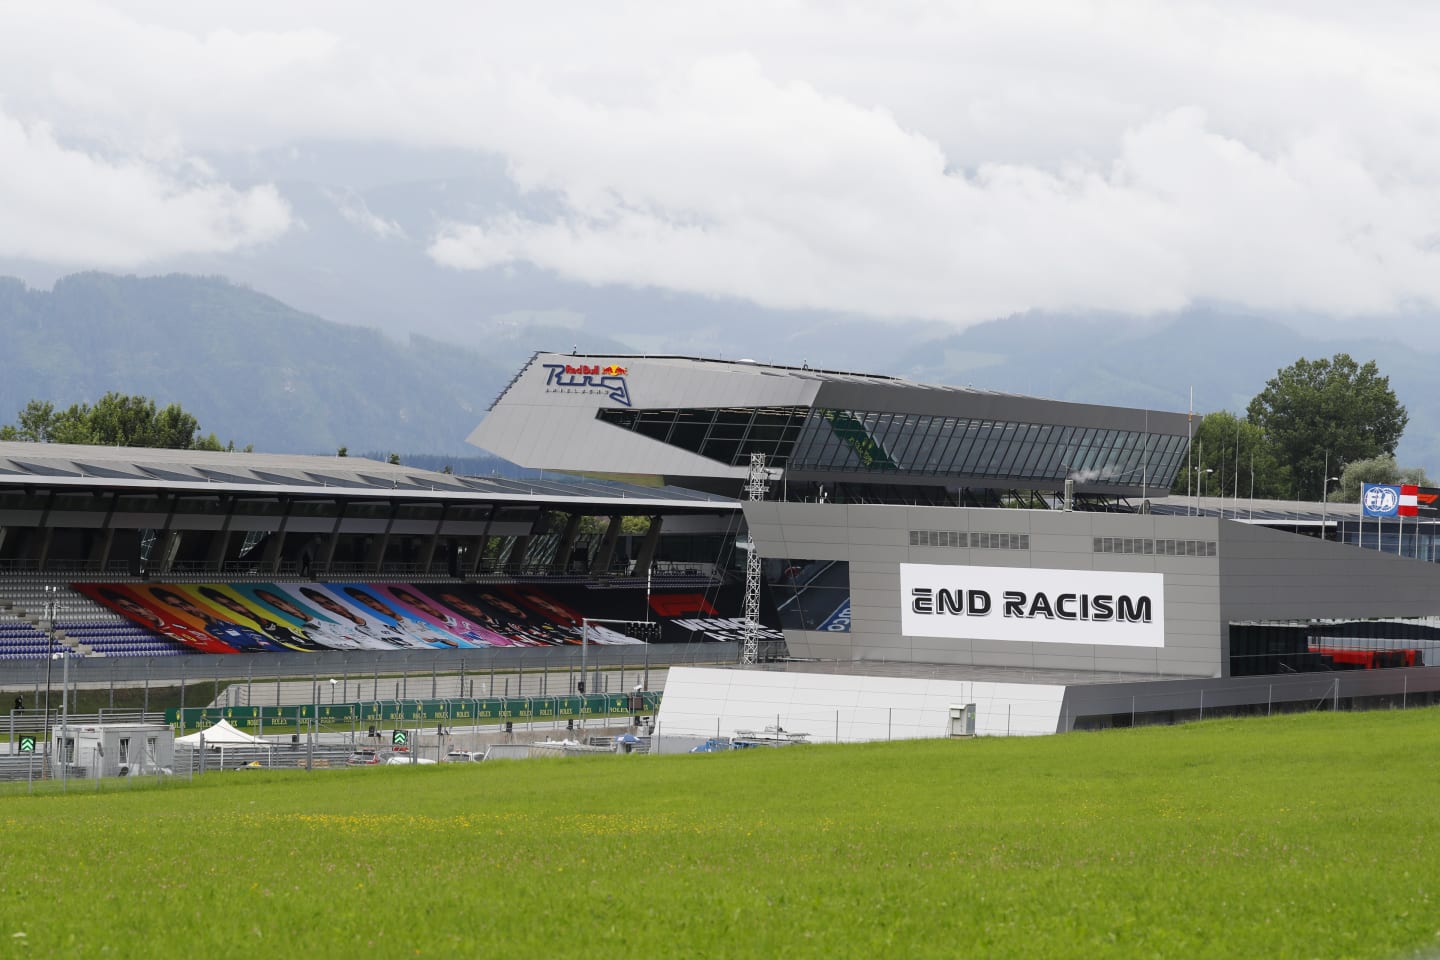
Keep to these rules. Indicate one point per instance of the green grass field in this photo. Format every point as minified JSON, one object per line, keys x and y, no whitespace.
{"x":1301,"y":836}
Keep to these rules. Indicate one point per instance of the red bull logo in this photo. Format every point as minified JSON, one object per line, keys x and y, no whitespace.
{"x":590,"y":370}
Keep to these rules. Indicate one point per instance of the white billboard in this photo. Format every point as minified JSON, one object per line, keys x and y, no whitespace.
{"x":1027,"y":605}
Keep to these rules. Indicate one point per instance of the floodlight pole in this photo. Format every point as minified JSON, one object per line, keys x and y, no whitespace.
{"x":1325,"y":508}
{"x":49,"y":662}
{"x":314,"y":723}
{"x":585,"y":640}
{"x":64,"y":711}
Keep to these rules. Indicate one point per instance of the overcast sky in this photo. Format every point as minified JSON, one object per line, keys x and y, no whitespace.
{"x":954,"y":162}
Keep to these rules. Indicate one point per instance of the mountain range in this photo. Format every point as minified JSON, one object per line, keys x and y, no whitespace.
{"x":257,"y":371}
{"x":251,"y":369}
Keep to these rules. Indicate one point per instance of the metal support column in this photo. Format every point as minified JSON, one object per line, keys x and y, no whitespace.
{"x":606,"y":552}
{"x":645,"y":556}
{"x":755,"y":485}
{"x":376,"y":560}
{"x":427,"y":556}
{"x":333,"y":542}
{"x":275,"y":548}
{"x":567,"y":543}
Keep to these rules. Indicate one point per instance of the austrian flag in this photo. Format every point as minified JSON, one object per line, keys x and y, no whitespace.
{"x":1409,"y":501}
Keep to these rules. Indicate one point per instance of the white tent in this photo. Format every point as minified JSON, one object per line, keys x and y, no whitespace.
{"x":221,"y":735}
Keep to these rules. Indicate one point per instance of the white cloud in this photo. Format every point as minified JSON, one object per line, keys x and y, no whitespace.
{"x":356,"y":211}
{"x":784,"y":196}
{"x":69,"y":207}
{"x":954,"y":161}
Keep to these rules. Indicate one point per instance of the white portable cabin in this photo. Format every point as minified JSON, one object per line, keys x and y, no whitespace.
{"x":112,"y":749}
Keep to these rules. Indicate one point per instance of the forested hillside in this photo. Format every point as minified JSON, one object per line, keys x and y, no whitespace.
{"x":249,"y":367}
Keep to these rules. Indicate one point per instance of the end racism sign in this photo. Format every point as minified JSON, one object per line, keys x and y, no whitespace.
{"x":1032,"y":605}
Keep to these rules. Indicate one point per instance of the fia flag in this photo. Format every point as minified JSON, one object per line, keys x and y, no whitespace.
{"x":1382,"y":499}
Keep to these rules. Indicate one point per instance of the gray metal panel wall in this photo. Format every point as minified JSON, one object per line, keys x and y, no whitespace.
{"x":1258,"y":574}
{"x":875,"y":540}
{"x":1272,"y":575}
{"x":537,"y":426}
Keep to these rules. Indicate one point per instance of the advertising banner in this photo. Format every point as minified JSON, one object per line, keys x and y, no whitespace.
{"x":1399,"y":500}
{"x":1032,"y":605}
{"x":463,"y":711}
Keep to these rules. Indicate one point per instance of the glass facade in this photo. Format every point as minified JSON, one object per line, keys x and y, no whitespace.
{"x":1417,"y":538}
{"x":857,"y":440}
{"x":906,"y":444}
{"x":726,"y":434}
{"x":1259,"y":647}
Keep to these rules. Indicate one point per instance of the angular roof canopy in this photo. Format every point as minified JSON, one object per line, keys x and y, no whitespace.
{"x":56,"y":466}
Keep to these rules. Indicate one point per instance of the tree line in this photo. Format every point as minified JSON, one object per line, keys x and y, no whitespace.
{"x":1318,"y":430}
{"x":115,"y":420}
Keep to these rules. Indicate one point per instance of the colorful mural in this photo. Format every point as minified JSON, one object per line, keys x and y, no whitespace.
{"x":304,"y":616}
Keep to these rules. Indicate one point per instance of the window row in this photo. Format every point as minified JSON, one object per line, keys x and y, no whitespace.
{"x":862,"y":441}
{"x":955,"y":446}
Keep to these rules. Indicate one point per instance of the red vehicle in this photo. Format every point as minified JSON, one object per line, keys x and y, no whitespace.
{"x":1351,"y":659}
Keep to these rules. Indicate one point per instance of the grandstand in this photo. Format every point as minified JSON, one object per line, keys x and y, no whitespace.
{"x":88,"y":628}
{"x":136,"y":555}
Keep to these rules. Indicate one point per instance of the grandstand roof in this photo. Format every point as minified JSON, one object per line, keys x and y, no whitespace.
{"x":54,"y":465}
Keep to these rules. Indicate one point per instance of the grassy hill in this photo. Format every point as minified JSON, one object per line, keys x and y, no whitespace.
{"x":1313,"y":836}
{"x":250,"y":368}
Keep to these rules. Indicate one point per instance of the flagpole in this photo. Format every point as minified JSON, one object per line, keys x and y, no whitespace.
{"x":1220,"y":479}
{"x":1145,"y":461}
{"x":1189,"y":446}
{"x":1237,"y":468}
{"x":1362,"y":514}
{"x":1325,"y":496}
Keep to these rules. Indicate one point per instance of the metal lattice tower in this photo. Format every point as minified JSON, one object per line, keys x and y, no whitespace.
{"x":755,"y":486}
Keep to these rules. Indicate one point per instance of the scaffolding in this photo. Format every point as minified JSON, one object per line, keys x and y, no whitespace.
{"x":755,"y":486}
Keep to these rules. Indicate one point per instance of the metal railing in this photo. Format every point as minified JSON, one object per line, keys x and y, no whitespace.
{"x":189,"y":570}
{"x":410,"y":667}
